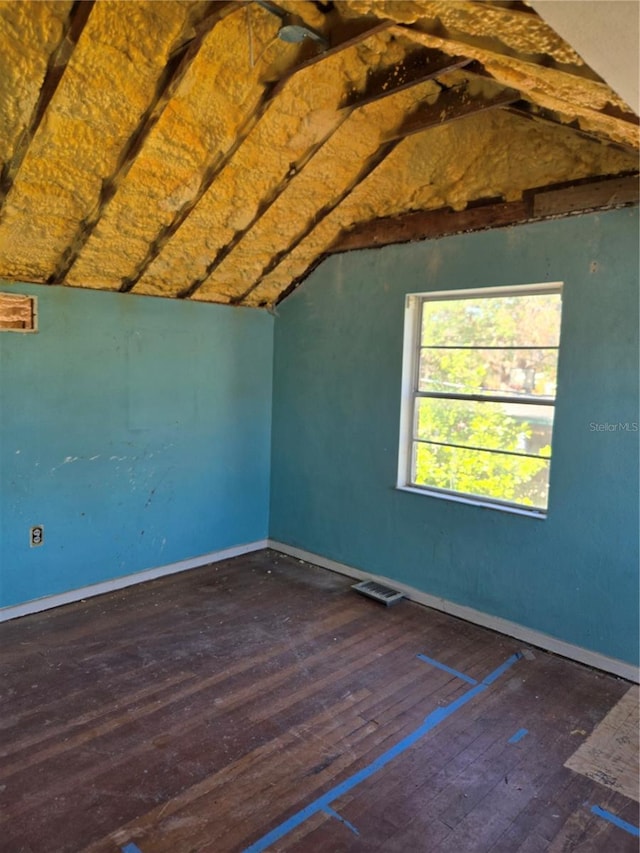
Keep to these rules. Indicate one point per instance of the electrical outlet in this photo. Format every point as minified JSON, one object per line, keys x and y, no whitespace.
{"x":36,"y":535}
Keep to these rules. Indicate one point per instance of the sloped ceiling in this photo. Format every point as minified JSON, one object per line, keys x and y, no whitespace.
{"x":187,"y":149}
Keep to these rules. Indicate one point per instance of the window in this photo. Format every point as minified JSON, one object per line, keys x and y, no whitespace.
{"x":479,"y":389}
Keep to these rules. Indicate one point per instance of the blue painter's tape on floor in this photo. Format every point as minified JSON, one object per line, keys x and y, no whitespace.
{"x":616,"y":821}
{"x":430,"y":722}
{"x":518,"y":736}
{"x":131,"y":848}
{"x":339,"y":817}
{"x":448,"y":669}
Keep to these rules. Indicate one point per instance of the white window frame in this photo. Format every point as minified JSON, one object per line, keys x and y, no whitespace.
{"x":410,"y":366}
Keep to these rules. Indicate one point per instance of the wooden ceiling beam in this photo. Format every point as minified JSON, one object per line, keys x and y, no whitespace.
{"x":452,"y":104}
{"x":527,"y":109}
{"x":457,"y":104}
{"x":173,"y":73}
{"x":215,"y":168}
{"x":418,"y":67}
{"x":56,"y":67}
{"x":263,"y":207}
{"x":536,"y":204}
{"x":368,"y":167}
{"x":496,"y":45}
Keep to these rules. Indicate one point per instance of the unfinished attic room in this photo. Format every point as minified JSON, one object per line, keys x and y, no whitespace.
{"x":319,"y":426}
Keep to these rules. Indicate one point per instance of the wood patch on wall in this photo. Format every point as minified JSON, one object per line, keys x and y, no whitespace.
{"x":17,"y":312}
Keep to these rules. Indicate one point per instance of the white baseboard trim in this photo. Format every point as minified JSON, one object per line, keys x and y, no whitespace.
{"x":486,"y":620}
{"x":50,"y":601}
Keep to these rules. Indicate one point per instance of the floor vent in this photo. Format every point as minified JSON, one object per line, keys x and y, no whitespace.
{"x":376,"y":590}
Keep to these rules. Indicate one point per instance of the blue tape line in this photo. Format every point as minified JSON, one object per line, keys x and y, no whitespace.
{"x":448,"y":669}
{"x":518,"y":735}
{"x":131,"y":848}
{"x":493,"y":676}
{"x":616,"y":821}
{"x":430,"y":722}
{"x":339,"y":817}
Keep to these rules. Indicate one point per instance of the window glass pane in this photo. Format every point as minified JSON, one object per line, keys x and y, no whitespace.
{"x":517,"y":427}
{"x":479,"y":473}
{"x":489,"y":371}
{"x":515,"y":321}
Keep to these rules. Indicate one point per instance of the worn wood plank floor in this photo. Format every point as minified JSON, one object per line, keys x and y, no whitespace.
{"x":259,"y":704}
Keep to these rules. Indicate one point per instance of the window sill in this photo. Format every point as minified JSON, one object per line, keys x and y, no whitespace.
{"x":461,"y":499}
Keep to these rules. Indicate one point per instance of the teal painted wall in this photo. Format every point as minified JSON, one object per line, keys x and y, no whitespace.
{"x":338,"y":359}
{"x":136,"y":430}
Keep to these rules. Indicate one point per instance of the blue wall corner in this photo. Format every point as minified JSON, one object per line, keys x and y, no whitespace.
{"x":338,"y":360}
{"x":140,"y":432}
{"x":136,"y":430}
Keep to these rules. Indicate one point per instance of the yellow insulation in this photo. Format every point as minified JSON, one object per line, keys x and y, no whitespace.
{"x":335,"y":167}
{"x":484,"y":156}
{"x":220,"y":89}
{"x":304,"y":114}
{"x":296,"y":161}
{"x":517,"y":31}
{"x":29,"y":32}
{"x":79,"y":141}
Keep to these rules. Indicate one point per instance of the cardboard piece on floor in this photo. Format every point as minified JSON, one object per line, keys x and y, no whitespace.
{"x":610,"y":753}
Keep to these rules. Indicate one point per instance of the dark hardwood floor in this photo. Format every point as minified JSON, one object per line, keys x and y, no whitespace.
{"x":260,"y":704}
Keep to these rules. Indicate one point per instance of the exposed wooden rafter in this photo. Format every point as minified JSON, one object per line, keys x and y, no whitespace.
{"x":172,"y":74}
{"x":368,"y":167}
{"x":452,"y":105}
{"x":57,"y":65}
{"x":537,"y":203}
{"x":456,"y":105}
{"x":418,"y":65}
{"x":263,"y":207}
{"x":421,"y":65}
{"x":211,"y":173}
{"x":526,"y":109}
{"x":575,"y":94}
{"x":497,"y":44}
